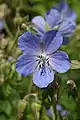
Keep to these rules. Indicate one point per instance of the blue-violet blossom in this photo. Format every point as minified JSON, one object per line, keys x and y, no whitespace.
{"x":41,"y":57}
{"x":2,"y":24}
{"x":60,"y":17}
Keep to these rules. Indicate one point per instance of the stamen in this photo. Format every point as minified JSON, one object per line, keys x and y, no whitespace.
{"x":43,"y":60}
{"x":43,"y":70}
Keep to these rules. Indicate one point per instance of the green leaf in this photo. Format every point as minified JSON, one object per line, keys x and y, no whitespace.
{"x":75,"y":64}
{"x":13,"y":118}
{"x":5,"y":107}
{"x":3,"y":117}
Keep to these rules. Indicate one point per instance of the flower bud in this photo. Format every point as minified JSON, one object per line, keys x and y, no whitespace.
{"x":49,"y":112}
{"x":4,"y":10}
{"x":59,"y":107}
{"x":35,"y":107}
{"x":10,"y":59}
{"x":64,"y":113}
{"x":71,"y":84}
{"x":21,"y":105}
{"x":23,"y":25}
{"x":72,"y":89}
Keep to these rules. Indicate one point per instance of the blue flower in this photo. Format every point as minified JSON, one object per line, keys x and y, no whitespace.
{"x":2,"y":24}
{"x":59,"y":107}
{"x":64,"y":113}
{"x":60,"y":18}
{"x":65,"y":11}
{"x":41,"y":57}
{"x":10,"y":59}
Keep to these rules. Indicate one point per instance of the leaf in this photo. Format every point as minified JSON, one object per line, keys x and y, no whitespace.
{"x":3,"y":117}
{"x":75,"y":64}
{"x":5,"y":107}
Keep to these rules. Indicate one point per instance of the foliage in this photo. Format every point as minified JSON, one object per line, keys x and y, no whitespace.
{"x":20,"y":99}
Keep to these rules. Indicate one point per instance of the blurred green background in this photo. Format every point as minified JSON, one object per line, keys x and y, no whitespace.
{"x":19,"y":98}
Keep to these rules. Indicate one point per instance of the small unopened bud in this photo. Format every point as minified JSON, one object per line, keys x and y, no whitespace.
{"x":3,"y":43}
{"x":73,"y":91}
{"x":23,"y":25}
{"x":71,"y":84}
{"x":2,"y":81}
{"x":59,"y":107}
{"x":49,"y":112}
{"x":18,"y":20}
{"x":4,"y":10}
{"x":35,"y":107}
{"x":21,"y":106}
{"x":10,"y":59}
{"x":64,"y":113}
{"x":2,"y":24}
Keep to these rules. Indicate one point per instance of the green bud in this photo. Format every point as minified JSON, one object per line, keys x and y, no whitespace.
{"x":35,"y":107}
{"x":21,"y":105}
{"x":71,"y":84}
{"x":4,"y":10}
{"x":18,"y":20}
{"x":72,"y":89}
{"x":23,"y":25}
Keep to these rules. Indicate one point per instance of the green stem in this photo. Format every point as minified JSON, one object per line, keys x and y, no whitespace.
{"x":53,"y":102}
{"x":17,"y":34}
{"x":54,"y":108}
{"x":41,"y":110}
{"x":60,"y":117}
{"x":61,"y":93}
{"x":14,"y":43}
{"x":8,"y":30}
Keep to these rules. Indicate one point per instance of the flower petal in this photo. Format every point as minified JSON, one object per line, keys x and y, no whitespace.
{"x":67,"y":28}
{"x":26,"y":64}
{"x":52,"y":41}
{"x":62,"y":7}
{"x":29,"y":43}
{"x":65,"y":11}
{"x":39,"y":23}
{"x":53,"y":17}
{"x":65,"y":41}
{"x":42,"y":80}
{"x":70,"y":15}
{"x":60,"y":62}
{"x":2,"y":24}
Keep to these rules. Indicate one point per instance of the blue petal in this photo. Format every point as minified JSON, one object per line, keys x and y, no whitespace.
{"x":60,"y":62}
{"x":49,"y":112}
{"x":29,"y":43}
{"x":67,"y":28}
{"x":52,"y":41}
{"x":26,"y":64}
{"x":65,"y":11}
{"x":2,"y":24}
{"x":59,"y":107}
{"x":62,"y":7}
{"x":39,"y":23}
{"x":65,"y":41}
{"x":70,"y":15}
{"x":42,"y":80}
{"x":64,"y":113}
{"x":53,"y":17}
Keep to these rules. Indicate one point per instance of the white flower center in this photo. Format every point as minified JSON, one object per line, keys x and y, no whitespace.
{"x":43,"y":60}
